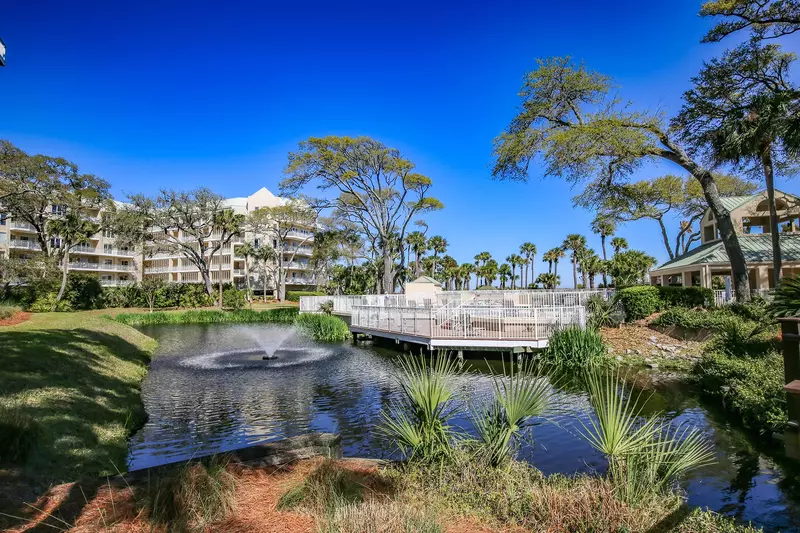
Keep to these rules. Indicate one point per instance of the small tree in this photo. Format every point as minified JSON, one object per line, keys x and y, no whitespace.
{"x":246,"y":251}
{"x":72,"y":229}
{"x":150,"y":288}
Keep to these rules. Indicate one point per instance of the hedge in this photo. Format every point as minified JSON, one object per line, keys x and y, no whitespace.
{"x":294,"y":296}
{"x":696,"y":318}
{"x":686,"y":296}
{"x":640,"y":302}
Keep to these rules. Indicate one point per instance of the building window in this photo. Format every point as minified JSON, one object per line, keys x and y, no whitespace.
{"x":108,"y":233}
{"x":107,"y":261}
{"x":107,"y":248}
{"x":3,"y":217}
{"x":59,"y":209}
{"x":124,"y":263}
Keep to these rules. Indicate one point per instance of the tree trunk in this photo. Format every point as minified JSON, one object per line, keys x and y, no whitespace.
{"x":65,"y":272}
{"x":741,"y":281}
{"x":533,"y":270}
{"x":575,"y":272}
{"x":247,"y":280}
{"x":388,"y":274}
{"x":219,"y":275}
{"x":207,"y":281}
{"x":264,"y":283}
{"x":665,"y":237}
{"x":766,"y":163}
{"x":605,"y":258}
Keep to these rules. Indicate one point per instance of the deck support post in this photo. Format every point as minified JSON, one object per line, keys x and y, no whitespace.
{"x":790,"y":334}
{"x":355,"y":337}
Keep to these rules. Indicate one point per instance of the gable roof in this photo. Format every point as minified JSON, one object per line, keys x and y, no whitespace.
{"x":734,"y":202}
{"x":756,"y":248}
{"x":427,"y":279}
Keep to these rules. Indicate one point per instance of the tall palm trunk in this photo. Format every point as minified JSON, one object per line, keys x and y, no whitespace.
{"x":219,"y":274}
{"x":533,"y":269}
{"x":766,"y":163}
{"x":64,"y":273}
{"x":603,"y":246}
{"x":247,"y":280}
{"x":575,"y":272}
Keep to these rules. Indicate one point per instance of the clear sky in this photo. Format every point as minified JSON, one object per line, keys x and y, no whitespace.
{"x":149,"y":94}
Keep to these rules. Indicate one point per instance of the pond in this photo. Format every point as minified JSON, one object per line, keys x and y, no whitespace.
{"x":209,"y":390}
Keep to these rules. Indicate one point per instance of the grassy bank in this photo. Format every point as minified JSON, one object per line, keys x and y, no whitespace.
{"x":69,"y":394}
{"x":320,"y":327}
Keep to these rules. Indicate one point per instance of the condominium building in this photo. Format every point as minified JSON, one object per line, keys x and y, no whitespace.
{"x":118,"y":265}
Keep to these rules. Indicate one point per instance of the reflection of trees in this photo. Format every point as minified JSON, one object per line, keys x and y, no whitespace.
{"x":747,"y":468}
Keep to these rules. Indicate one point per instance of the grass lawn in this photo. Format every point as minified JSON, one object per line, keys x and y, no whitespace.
{"x":77,"y":377}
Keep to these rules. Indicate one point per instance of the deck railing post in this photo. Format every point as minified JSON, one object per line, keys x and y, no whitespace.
{"x":790,"y":344}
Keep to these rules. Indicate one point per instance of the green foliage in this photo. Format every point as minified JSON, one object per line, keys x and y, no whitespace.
{"x":323,"y":328}
{"x":294,"y":296}
{"x":605,"y":313}
{"x":190,"y":497}
{"x":44,"y":304}
{"x":575,"y":347}
{"x":283,"y":315}
{"x":640,"y":302}
{"x":705,"y":521}
{"x":629,"y":267}
{"x":520,"y":394}
{"x":84,"y":291}
{"x":686,"y":296}
{"x":7,"y":311}
{"x":715,"y":319}
{"x":234,"y":299}
{"x":755,"y":310}
{"x":125,"y":296}
{"x":418,"y":422}
{"x":326,"y":308}
{"x":786,"y":300}
{"x":645,"y":456}
{"x":750,"y":387}
{"x":19,"y":433}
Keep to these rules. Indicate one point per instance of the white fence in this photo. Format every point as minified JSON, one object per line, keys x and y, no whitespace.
{"x":454,"y":299}
{"x":723,"y":298}
{"x":524,"y":323}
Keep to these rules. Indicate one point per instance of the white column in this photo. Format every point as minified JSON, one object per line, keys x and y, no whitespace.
{"x":686,"y":279}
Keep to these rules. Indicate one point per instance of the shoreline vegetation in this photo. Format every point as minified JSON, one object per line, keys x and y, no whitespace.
{"x":320,"y":327}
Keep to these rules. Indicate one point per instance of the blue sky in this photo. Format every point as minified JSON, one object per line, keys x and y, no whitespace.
{"x":183,"y":94}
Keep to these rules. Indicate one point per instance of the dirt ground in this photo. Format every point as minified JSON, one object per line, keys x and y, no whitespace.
{"x":16,"y":318}
{"x":637,"y":343}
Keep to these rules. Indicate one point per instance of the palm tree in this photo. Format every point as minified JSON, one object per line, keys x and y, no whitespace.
{"x":591,"y":265}
{"x":438,"y":245}
{"x":466,"y":272}
{"x":489,"y":271}
{"x":528,"y":251}
{"x":246,"y":251}
{"x":265,"y":255}
{"x":604,"y":226}
{"x":556,"y":254}
{"x":505,"y":272}
{"x":72,"y":229}
{"x":480,"y":261}
{"x":574,"y":243}
{"x":515,"y":261}
{"x":418,"y":244}
{"x":548,"y":280}
{"x":619,"y":243}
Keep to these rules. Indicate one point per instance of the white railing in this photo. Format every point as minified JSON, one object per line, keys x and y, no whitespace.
{"x":238,"y":272}
{"x":469,"y":322}
{"x":302,"y":250}
{"x":157,"y":269}
{"x":14,"y":224}
{"x":116,"y":282}
{"x":488,"y":299}
{"x":24,"y":245}
{"x":82,"y":248}
{"x":723,"y":298}
{"x":99,"y":266}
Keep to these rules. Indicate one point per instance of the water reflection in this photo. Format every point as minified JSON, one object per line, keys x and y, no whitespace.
{"x":209,"y":390}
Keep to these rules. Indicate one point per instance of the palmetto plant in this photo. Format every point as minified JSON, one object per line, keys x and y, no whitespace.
{"x":644,"y":455}
{"x":786,"y":299}
{"x":520,"y":393}
{"x":418,"y":422}
{"x":619,"y":244}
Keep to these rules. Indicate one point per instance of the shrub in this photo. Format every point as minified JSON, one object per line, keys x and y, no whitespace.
{"x":574,"y":347}
{"x":294,"y":296}
{"x":640,"y":302}
{"x":194,"y":295}
{"x":323,"y":328}
{"x":233,"y":299}
{"x":7,"y":311}
{"x":605,"y":313}
{"x":686,"y":296}
{"x":191,"y":496}
{"x":714,"y":319}
{"x":84,"y":291}
{"x":751,"y":387}
{"x":786,"y":299}
{"x":756,"y":310}
{"x":18,"y":435}
{"x":326,"y":307}
{"x":127,"y":296}
{"x":44,"y":304}
{"x":284,"y":315}
{"x":324,"y":489}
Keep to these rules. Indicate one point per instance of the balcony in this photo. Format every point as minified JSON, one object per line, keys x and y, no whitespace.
{"x":100,"y":266}
{"x":300,"y":250}
{"x":24,"y":245}
{"x":300,"y":235}
{"x":23,"y":226}
{"x":157,"y":270}
{"x":239,"y":272}
{"x":116,"y":282}
{"x":84,"y":249}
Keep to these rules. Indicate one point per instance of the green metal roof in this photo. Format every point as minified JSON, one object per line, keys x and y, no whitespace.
{"x":733,"y":202}
{"x":756,"y":249}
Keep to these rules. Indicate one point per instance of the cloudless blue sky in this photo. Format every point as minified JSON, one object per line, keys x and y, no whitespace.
{"x":149,"y":94}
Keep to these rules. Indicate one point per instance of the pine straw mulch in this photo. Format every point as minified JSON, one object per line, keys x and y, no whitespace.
{"x":637,"y":337}
{"x":110,"y":506}
{"x":16,"y":318}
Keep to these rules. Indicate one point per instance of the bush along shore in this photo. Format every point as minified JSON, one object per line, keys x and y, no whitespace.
{"x":320,"y":327}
